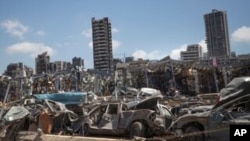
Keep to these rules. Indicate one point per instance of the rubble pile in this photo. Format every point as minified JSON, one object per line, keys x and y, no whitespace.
{"x":102,"y":106}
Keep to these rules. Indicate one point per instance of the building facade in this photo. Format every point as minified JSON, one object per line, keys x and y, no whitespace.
{"x":217,"y":37}
{"x":18,"y":70}
{"x":60,"y":66}
{"x":194,"y":52}
{"x":102,"y":44}
{"x":129,"y":59}
{"x":42,"y":63}
{"x":78,"y":61}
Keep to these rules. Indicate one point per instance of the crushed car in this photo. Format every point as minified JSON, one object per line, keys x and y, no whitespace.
{"x":214,"y":124}
{"x":183,"y":108}
{"x":163,"y":112}
{"x":115,"y":118}
{"x":202,"y":103}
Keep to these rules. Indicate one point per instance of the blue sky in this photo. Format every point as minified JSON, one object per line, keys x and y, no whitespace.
{"x":149,"y":29}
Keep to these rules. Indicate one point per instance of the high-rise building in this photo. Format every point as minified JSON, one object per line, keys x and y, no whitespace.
{"x":42,"y":63}
{"x":192,"y":53}
{"x":217,"y":37}
{"x":102,"y":44}
{"x":60,"y":66}
{"x":78,"y":61}
{"x":51,"y":67}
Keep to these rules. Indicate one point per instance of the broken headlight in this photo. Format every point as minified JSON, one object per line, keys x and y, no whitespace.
{"x":152,"y":117}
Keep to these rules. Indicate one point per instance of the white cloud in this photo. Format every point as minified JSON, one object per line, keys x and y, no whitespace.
{"x":40,"y":33}
{"x":115,"y":44}
{"x":33,"y":49}
{"x":15,"y":28}
{"x":115,"y":30}
{"x":242,"y":34}
{"x":154,"y":55}
{"x":203,"y":44}
{"x":139,"y":54}
{"x":175,"y":54}
{"x":87,"y":33}
{"x":90,"y":44}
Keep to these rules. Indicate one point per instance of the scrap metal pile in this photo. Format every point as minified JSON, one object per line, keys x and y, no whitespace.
{"x":127,"y":112}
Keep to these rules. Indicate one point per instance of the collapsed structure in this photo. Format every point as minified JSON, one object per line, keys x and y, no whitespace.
{"x":167,"y":75}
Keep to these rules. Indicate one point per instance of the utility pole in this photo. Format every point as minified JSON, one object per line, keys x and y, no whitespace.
{"x":146,"y":74}
{"x":173,"y":76}
{"x":76,"y":79}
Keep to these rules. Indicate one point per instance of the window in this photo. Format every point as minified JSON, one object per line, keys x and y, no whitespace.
{"x":113,"y":109}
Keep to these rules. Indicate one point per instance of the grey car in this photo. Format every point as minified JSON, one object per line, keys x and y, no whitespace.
{"x":214,"y":125}
{"x":115,"y":118}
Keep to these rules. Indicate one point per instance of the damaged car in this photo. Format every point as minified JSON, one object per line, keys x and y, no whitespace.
{"x":163,"y":111}
{"x":214,"y":125}
{"x":183,"y":108}
{"x":115,"y":118}
{"x":12,"y":121}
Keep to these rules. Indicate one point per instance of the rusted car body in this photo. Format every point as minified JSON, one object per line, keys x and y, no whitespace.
{"x":115,"y":118}
{"x":214,"y":124}
{"x":152,"y":103}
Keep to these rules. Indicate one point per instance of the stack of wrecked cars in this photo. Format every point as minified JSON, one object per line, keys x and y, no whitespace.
{"x":57,"y":114}
{"x":85,"y":114}
{"x":143,"y":116}
{"x":233,"y":107}
{"x":44,"y":113}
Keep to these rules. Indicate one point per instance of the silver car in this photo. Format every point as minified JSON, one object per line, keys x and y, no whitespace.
{"x":214,"y":125}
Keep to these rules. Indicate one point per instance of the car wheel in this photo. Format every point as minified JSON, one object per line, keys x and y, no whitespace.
{"x":193,"y":129}
{"x":137,"y":129}
{"x":84,"y":130}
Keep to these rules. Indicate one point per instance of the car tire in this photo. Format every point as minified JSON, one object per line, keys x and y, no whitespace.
{"x":84,"y":130}
{"x":137,"y":129}
{"x":193,"y":129}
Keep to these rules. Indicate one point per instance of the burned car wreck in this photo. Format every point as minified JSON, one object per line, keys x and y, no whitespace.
{"x":213,"y":125}
{"x":117,"y":118}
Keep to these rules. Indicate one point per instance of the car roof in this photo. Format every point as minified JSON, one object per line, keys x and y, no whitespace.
{"x":219,"y":106}
{"x":231,"y":89}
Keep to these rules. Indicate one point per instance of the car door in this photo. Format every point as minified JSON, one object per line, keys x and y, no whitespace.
{"x":218,"y":126}
{"x":166,"y":114}
{"x":110,"y":118}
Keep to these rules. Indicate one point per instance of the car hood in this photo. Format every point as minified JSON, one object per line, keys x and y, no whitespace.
{"x":221,"y":105}
{"x":205,"y":107}
{"x":184,"y":119}
{"x":199,"y":114}
{"x":237,"y":87}
{"x":148,"y":103}
{"x":196,"y":109}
